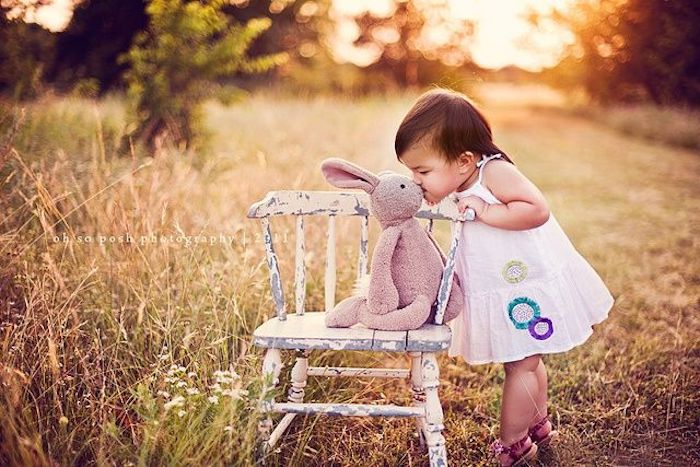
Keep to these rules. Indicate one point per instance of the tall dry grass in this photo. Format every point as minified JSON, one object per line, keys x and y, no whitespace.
{"x":138,"y":352}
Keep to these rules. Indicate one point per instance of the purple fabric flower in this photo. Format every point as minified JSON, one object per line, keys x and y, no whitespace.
{"x":541,"y":328}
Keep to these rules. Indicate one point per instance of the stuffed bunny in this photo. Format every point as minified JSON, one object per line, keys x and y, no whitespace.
{"x":407,"y":263}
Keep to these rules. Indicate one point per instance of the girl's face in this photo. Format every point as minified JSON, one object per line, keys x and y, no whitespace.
{"x":437,"y":176}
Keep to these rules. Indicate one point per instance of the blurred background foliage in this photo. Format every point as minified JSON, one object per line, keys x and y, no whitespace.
{"x":621,"y":51}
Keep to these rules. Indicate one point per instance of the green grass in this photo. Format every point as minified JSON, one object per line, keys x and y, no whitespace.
{"x":89,"y":333}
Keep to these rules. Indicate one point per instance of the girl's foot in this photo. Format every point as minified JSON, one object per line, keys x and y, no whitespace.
{"x":516,"y":454}
{"x":542,"y":432}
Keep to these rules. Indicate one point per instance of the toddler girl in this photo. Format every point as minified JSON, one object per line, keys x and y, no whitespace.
{"x":529,"y":292}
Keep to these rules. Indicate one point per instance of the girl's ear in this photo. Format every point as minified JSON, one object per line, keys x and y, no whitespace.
{"x":344,"y":174}
{"x":466,"y":160}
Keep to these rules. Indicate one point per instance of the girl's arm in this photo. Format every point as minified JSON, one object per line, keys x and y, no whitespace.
{"x":524,"y":206}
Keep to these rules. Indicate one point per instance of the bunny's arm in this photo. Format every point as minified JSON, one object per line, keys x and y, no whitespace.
{"x":383,"y":296}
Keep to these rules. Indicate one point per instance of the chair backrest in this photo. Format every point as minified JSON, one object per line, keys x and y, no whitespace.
{"x":332,"y":204}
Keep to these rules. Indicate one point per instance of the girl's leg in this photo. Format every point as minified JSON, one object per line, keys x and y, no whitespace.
{"x":541,"y":400}
{"x":522,"y":398}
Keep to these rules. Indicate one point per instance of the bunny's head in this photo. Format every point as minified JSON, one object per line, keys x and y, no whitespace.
{"x":393,"y":197}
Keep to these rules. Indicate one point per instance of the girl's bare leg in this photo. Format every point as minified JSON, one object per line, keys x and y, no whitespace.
{"x":523,"y":398}
{"x":541,"y":399}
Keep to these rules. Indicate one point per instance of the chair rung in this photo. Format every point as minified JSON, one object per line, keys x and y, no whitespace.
{"x":349,"y":410}
{"x":348,"y":371}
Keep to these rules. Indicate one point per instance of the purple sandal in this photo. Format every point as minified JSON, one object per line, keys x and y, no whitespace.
{"x":542,"y":441}
{"x":516,"y":452}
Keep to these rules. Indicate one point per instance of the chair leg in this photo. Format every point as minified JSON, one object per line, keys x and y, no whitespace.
{"x":437,"y":450}
{"x":418,"y":392}
{"x":272,"y":366}
{"x":299,"y":375}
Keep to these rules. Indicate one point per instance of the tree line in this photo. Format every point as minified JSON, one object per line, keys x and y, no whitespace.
{"x":170,"y":55}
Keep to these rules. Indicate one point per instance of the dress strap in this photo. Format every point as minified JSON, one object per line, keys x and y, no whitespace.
{"x":484,"y":160}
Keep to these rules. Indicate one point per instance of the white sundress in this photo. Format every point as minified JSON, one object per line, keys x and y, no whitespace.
{"x":528,"y":292}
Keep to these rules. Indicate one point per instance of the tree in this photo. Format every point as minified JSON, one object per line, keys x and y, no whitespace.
{"x":629,"y":50}
{"x":174,"y":66}
{"x":26,"y":51}
{"x":407,"y":55}
{"x":102,"y":30}
{"x":98,"y":33}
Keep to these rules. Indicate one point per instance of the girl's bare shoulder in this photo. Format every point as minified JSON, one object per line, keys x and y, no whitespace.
{"x":508,"y":183}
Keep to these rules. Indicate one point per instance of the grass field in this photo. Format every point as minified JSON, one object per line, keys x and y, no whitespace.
{"x":137,"y":352}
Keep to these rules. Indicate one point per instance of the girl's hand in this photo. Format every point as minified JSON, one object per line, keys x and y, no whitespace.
{"x":474,"y":202}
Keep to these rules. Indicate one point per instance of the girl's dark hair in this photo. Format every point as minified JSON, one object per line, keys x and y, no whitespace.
{"x":451,"y":121}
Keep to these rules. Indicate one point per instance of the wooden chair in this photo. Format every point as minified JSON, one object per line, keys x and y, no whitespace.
{"x":305,"y":330}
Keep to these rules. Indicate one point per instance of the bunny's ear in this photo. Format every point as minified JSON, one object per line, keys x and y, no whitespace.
{"x":344,"y":174}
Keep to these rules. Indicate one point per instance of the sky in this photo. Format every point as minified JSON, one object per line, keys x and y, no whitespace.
{"x":502,"y":35}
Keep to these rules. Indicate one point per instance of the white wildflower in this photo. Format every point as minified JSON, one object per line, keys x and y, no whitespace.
{"x":213,"y":399}
{"x":165,"y":394}
{"x":181,"y":384}
{"x":228,"y":429}
{"x":181,"y":413}
{"x":177,"y":401}
{"x":192,"y":391}
{"x":235,"y":393}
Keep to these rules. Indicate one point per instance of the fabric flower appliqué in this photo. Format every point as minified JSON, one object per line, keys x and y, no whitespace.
{"x":541,"y":328}
{"x":524,"y":313}
{"x":514,"y":271}
{"x":522,"y":310}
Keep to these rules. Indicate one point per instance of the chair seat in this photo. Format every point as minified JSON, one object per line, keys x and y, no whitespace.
{"x":309,"y":331}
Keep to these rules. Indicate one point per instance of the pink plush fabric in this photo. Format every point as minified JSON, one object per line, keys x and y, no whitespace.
{"x":407,"y":264}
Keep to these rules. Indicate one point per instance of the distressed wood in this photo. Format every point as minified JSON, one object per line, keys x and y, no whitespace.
{"x":309,"y":331}
{"x":340,"y":203}
{"x":364,"y":247}
{"x":349,"y":410}
{"x":299,"y":268}
{"x":299,"y":374}
{"x":448,"y":274}
{"x":272,"y":366}
{"x":329,"y":287}
{"x":305,"y":331}
{"x":329,"y":371}
{"x":437,"y":451}
{"x":280,"y":429}
{"x":429,"y":338}
{"x":311,"y":203}
{"x":274,"y":269}
{"x":417,"y":392}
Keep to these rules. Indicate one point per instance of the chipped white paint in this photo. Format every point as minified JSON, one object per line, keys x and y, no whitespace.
{"x":272,"y":366}
{"x":329,"y":288}
{"x":309,"y":331}
{"x":299,"y":269}
{"x":278,"y":203}
{"x":329,"y":371}
{"x":299,"y":373}
{"x":273,"y":266}
{"x":305,"y":331}
{"x":433,"y":410}
{"x":417,"y":391}
{"x":280,"y":429}
{"x":448,"y":274}
{"x":340,"y":203}
{"x":364,"y":246}
{"x":349,"y":410}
